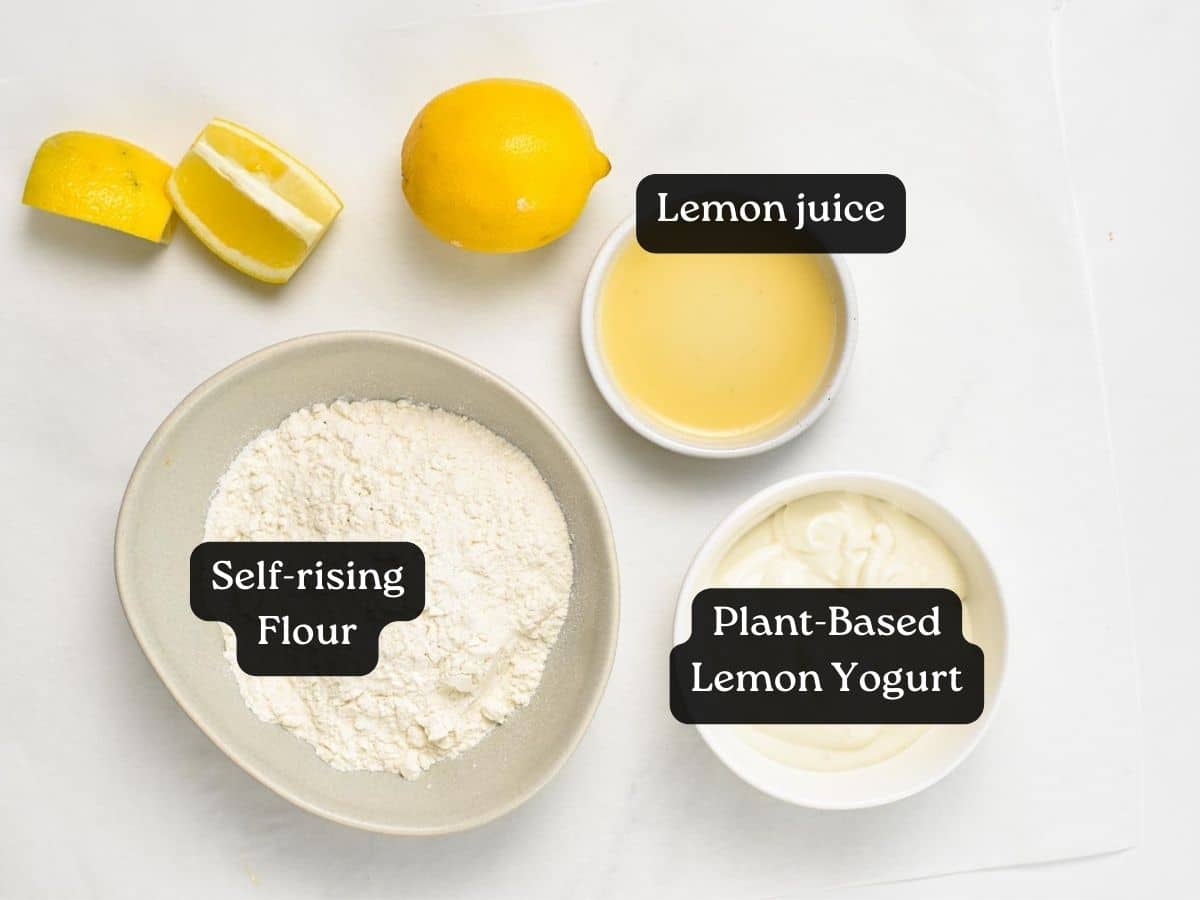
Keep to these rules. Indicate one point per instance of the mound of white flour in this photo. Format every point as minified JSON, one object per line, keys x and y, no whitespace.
{"x":498,"y":574}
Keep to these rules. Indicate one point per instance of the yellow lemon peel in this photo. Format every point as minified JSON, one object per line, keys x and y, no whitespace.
{"x":500,"y":165}
{"x":102,"y":180}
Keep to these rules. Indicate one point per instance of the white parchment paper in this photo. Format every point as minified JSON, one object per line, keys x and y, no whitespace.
{"x":976,"y":375}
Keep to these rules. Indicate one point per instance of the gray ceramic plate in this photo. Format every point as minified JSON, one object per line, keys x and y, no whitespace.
{"x":162,"y":519}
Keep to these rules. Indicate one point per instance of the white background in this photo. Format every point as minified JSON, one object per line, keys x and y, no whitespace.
{"x":1128,"y":97}
{"x":1128,"y":71}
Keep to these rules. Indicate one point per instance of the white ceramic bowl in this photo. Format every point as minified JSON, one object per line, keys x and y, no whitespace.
{"x":842,"y":287}
{"x":162,"y":519}
{"x":942,"y":747}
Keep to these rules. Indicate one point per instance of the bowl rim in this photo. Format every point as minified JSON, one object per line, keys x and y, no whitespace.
{"x":648,"y":429}
{"x":214,"y":383}
{"x":750,"y":511}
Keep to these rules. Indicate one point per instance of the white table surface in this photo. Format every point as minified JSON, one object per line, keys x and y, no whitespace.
{"x":1127,"y":84}
{"x":1127,"y":71}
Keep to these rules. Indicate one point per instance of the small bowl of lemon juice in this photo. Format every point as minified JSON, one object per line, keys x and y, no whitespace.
{"x":717,"y":354}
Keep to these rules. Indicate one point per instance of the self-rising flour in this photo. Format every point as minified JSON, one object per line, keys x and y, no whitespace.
{"x":498,"y":574}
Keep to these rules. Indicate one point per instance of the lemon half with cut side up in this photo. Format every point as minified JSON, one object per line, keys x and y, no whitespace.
{"x":251,"y":203}
{"x":102,"y":180}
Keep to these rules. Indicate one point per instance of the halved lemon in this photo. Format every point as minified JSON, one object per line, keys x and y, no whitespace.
{"x":254,"y":205}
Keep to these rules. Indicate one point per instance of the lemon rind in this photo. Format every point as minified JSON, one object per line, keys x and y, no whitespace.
{"x":44,"y":194}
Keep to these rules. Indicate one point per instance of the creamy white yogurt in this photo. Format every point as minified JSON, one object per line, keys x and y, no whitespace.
{"x":839,"y":539}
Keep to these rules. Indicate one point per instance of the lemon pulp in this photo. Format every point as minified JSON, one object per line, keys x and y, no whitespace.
{"x":254,"y":205}
{"x":717,"y":346}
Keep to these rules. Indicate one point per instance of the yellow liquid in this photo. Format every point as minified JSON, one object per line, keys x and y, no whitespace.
{"x":718,"y":346}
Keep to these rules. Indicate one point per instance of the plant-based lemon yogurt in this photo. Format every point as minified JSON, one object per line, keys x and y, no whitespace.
{"x":839,"y":539}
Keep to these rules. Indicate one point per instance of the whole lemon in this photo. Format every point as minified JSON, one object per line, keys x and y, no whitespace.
{"x":500,"y":165}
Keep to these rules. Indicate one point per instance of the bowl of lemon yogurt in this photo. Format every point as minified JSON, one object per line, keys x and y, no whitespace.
{"x":850,"y":529}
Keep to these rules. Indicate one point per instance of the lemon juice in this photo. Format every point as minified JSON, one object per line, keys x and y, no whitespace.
{"x":717,"y":346}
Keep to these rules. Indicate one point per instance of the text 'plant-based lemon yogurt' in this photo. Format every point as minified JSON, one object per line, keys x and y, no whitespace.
{"x":839,"y":539}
